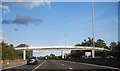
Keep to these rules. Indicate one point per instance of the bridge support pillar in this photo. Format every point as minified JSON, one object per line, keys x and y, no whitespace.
{"x":93,"y":53}
{"x":24,"y":54}
{"x":62,"y":54}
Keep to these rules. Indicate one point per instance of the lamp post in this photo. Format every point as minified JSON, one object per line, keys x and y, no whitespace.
{"x":93,"y":50}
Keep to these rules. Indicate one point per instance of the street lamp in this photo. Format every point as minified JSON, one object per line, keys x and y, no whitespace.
{"x":93,"y":50}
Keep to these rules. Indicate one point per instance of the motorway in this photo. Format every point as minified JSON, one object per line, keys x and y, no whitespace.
{"x":61,"y":65}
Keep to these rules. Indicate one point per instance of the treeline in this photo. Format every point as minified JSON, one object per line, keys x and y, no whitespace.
{"x":51,"y":56}
{"x":9,"y":53}
{"x":114,"y":48}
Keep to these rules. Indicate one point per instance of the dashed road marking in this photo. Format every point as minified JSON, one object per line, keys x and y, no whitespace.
{"x":38,"y":66}
{"x":70,"y":68}
{"x":62,"y":64}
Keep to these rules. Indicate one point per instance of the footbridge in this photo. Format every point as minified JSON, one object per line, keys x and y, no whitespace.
{"x":62,"y":48}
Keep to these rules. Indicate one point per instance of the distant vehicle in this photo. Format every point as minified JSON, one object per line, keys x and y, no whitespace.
{"x":32,"y":60}
{"x":109,"y":56}
{"x":46,"y":58}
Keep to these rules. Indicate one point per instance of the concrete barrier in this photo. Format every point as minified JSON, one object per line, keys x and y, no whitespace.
{"x":10,"y":63}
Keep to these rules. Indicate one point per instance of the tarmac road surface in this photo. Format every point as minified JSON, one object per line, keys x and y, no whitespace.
{"x":61,"y":65}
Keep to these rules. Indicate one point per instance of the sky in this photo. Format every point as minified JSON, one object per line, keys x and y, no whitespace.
{"x":58,"y":23}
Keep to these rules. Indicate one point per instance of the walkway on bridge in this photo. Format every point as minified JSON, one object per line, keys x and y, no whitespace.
{"x":62,"y":48}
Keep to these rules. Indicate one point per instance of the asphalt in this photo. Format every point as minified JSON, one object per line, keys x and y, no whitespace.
{"x":61,"y":65}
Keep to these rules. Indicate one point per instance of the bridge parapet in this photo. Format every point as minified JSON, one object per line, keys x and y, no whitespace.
{"x":61,"y":48}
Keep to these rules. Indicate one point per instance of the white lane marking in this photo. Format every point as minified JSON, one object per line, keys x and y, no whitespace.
{"x":95,"y":65}
{"x":38,"y":66}
{"x":62,"y":64}
{"x":70,"y":68}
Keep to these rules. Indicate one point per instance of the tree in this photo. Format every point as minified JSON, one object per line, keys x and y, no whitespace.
{"x":113,"y":46}
{"x":88,"y":42}
{"x":100,"y":43}
{"x":118,"y":47}
{"x":76,"y":53}
{"x":11,"y":45}
{"x":78,"y":45}
{"x":115,"y":49}
{"x":22,"y":45}
{"x":52,"y":54}
{"x":8,"y":51}
{"x":28,"y":52}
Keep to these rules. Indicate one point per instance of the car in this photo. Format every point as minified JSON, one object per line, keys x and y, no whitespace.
{"x":32,"y":60}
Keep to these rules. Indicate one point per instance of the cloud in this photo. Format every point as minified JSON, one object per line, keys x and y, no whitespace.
{"x":15,"y":29}
{"x":31,"y":5}
{"x":5,"y":8}
{"x":22,"y":20}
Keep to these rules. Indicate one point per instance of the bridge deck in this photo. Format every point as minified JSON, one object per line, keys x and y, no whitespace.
{"x":60,"y":48}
